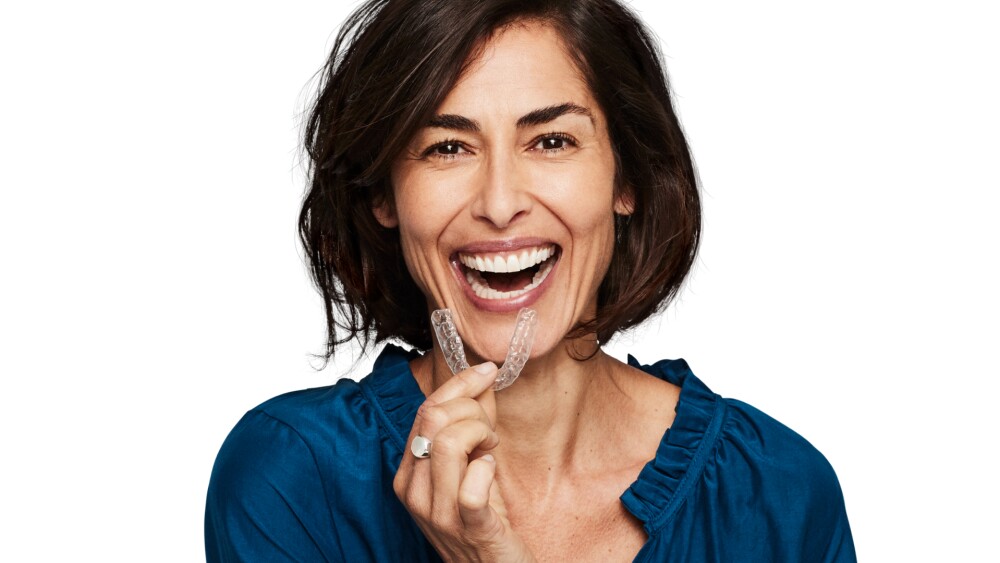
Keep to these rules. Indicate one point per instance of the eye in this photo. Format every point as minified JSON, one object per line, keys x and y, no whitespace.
{"x":553,"y":142}
{"x":445,"y":150}
{"x":448,"y":148}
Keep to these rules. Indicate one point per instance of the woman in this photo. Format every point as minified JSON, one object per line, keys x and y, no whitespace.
{"x":483,"y":157}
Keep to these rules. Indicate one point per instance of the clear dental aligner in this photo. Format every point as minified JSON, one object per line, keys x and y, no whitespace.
{"x":450,"y":341}
{"x":519,"y":349}
{"x":517,"y":352}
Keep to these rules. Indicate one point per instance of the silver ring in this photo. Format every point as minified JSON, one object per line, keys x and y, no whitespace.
{"x":420,"y":447}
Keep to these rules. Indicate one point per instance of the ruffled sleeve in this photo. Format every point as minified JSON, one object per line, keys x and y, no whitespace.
{"x":730,"y":483}
{"x":395,"y":396}
{"x":683,"y":450}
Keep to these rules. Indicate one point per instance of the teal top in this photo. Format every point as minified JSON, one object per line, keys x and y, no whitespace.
{"x":307,"y":476}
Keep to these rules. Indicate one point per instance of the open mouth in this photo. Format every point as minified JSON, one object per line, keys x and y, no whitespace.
{"x":508,"y":275}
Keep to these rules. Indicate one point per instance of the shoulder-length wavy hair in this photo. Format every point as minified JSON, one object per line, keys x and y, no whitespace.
{"x":392,"y":64}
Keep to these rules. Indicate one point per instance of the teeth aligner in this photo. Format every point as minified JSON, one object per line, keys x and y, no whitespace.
{"x":519,"y":349}
{"x":517,"y":353}
{"x":450,"y":341}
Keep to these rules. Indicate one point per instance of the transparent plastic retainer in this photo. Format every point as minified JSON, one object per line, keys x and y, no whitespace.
{"x":517,"y":352}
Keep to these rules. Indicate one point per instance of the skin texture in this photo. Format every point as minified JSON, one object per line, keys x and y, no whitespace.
{"x":533,"y":472}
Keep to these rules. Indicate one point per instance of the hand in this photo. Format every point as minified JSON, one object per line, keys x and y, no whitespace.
{"x":452,"y":495}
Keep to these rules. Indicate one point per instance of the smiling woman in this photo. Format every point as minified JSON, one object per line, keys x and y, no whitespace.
{"x":516,"y":162}
{"x":482,"y":157}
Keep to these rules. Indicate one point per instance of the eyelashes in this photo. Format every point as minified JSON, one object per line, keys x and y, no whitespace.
{"x":448,"y":149}
{"x":547,"y":144}
{"x":554,"y":142}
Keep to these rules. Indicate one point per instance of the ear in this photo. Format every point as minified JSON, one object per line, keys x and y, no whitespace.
{"x":625,"y":202}
{"x":385,"y":214}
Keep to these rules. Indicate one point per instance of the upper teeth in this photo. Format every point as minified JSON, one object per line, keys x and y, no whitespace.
{"x":514,"y":262}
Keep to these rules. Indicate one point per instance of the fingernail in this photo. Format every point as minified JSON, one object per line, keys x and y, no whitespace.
{"x":485,"y":368}
{"x":489,"y":458}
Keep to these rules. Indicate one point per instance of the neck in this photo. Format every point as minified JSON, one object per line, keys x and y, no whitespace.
{"x":557,"y":413}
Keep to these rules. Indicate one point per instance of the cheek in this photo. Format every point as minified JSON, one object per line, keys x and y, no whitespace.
{"x":416,"y":239}
{"x":423,"y":221}
{"x":425,"y":203}
{"x":585,"y":201}
{"x":424,"y":215}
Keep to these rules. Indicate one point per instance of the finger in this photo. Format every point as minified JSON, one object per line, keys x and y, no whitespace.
{"x":413,"y":475}
{"x":488,"y":403}
{"x":474,"y":498}
{"x":433,"y":417}
{"x":411,"y":485}
{"x":466,"y":383}
{"x":430,"y":419}
{"x":450,"y":459}
{"x":496,"y":500}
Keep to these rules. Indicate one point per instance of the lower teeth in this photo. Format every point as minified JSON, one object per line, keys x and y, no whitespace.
{"x":484,"y":291}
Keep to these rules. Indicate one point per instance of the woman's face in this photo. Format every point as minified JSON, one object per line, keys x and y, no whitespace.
{"x":506,"y":198}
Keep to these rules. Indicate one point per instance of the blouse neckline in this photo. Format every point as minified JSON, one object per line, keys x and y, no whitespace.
{"x":663,"y":482}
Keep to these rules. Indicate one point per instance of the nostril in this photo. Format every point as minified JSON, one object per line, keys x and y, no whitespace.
{"x":502,"y":220}
{"x":503,"y":198}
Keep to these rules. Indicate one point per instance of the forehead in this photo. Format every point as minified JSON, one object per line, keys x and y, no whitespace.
{"x":522,"y":67}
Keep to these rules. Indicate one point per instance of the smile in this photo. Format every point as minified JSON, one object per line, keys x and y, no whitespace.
{"x":508,"y":275}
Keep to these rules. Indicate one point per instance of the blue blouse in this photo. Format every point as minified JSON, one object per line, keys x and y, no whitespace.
{"x":307,"y":476}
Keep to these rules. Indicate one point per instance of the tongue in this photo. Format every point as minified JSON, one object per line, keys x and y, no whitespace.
{"x":509,"y":282}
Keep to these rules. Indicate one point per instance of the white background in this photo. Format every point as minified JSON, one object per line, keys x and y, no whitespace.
{"x":153,"y":290}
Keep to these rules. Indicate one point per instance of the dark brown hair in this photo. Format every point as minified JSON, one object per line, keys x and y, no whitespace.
{"x":392,"y":64}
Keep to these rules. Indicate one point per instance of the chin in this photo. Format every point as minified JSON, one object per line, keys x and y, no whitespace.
{"x":493,"y":345}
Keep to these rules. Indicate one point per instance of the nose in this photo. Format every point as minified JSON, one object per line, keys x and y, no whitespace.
{"x":502,"y":195}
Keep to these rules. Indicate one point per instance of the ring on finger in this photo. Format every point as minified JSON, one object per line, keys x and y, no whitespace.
{"x":420,"y":447}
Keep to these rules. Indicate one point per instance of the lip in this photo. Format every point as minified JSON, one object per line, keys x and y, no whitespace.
{"x":503,"y":245}
{"x":512,"y":304}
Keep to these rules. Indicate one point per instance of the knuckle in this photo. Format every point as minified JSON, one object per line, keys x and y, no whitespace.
{"x":399,"y":486}
{"x":446,"y":443}
{"x":405,"y":493}
{"x":484,"y":536}
{"x":411,"y":500}
{"x":485,"y":434}
{"x":472,"y":500}
{"x":429,"y":415}
{"x":443,"y":516}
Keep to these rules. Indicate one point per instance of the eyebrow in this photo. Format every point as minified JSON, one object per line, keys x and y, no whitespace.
{"x":532,"y":118}
{"x":551,"y":113}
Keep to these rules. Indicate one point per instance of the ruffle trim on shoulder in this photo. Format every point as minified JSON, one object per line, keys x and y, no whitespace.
{"x":665,"y":480}
{"x":394,"y":393}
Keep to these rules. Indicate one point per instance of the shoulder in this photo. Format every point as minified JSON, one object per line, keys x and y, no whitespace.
{"x":777,"y":465}
{"x":292,"y":436}
{"x":282,"y":438}
{"x":775,"y":477}
{"x":295,"y":419}
{"x":733,"y":441}
{"x":761,"y":439}
{"x":739,"y":439}
{"x":282,"y":467}
{"x":261,"y":499}
{"x":735,"y":478}
{"x":312,"y":410}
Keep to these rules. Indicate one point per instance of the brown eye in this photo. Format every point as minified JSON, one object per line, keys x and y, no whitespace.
{"x":552,"y":143}
{"x":448,"y":148}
